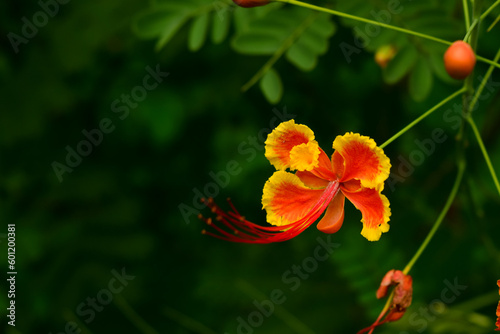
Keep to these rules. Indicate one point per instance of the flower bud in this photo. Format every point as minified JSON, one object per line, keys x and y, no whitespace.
{"x":251,"y":3}
{"x":384,"y":55}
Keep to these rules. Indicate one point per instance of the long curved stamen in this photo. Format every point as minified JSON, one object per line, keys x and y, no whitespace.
{"x":236,"y":228}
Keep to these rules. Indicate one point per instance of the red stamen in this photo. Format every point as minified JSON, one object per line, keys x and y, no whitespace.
{"x":236,"y":228}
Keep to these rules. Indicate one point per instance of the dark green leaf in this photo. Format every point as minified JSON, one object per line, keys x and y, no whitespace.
{"x":256,"y":43}
{"x":161,"y":20}
{"x":271,"y":86}
{"x":198,"y":32}
{"x":302,"y":57}
{"x":437,"y":65}
{"x":420,"y":80}
{"x":220,"y":27}
{"x":400,"y":65}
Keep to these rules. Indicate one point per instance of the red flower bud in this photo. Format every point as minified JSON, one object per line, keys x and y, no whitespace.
{"x":251,"y":3}
{"x":401,"y":299}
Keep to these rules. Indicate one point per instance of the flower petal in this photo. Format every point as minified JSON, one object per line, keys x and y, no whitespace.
{"x":287,"y":200}
{"x":321,"y":175}
{"x":359,"y":157}
{"x":334,"y":216}
{"x":283,"y":139}
{"x":311,"y":181}
{"x":304,"y":157}
{"x":374,"y":208}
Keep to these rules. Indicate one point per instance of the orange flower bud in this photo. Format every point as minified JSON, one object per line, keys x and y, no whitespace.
{"x":384,"y":55}
{"x":401,"y":299}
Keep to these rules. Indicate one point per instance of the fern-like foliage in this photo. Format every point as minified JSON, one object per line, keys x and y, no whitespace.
{"x":297,"y":33}
{"x":165,"y":18}
{"x":302,"y":35}
{"x":417,"y":59}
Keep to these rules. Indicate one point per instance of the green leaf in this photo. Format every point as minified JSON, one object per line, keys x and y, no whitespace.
{"x":159,"y":21}
{"x":271,"y":86}
{"x":165,"y":18}
{"x":198,"y":32}
{"x":400,"y":65}
{"x":306,"y":36}
{"x":421,"y":80}
{"x":266,"y":35}
{"x":170,"y":31}
{"x":256,"y":43}
{"x":311,"y":43}
{"x":220,"y":27}
{"x":436,"y":62}
{"x":302,"y":57}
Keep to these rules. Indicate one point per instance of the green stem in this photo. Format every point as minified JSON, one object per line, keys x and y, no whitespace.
{"x":485,"y":153}
{"x":132,"y":316}
{"x":486,"y":12}
{"x":285,"y":46}
{"x":187,"y":322}
{"x":421,"y":117}
{"x":487,"y":61}
{"x":479,"y":302}
{"x":482,"y":84}
{"x":468,"y":83}
{"x":361,"y":19}
{"x":465,"y":4}
{"x":469,"y":31}
{"x":493,"y":24}
{"x":449,"y":202}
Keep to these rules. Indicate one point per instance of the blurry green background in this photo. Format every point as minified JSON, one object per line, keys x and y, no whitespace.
{"x":119,"y":208}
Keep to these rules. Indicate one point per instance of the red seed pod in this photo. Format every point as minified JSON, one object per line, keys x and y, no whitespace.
{"x":459,"y":60}
{"x":251,"y":3}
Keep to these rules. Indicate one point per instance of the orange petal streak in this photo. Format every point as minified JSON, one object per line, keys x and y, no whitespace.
{"x":361,"y":159}
{"x":283,"y":139}
{"x":334,"y":216}
{"x":324,"y":169}
{"x":374,"y":208}
{"x":286,"y":199}
{"x":311,"y":181}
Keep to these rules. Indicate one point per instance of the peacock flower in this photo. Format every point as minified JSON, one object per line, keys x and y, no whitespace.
{"x":294,"y":201}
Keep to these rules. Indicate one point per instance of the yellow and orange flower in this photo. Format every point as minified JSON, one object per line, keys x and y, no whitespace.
{"x":294,"y":201}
